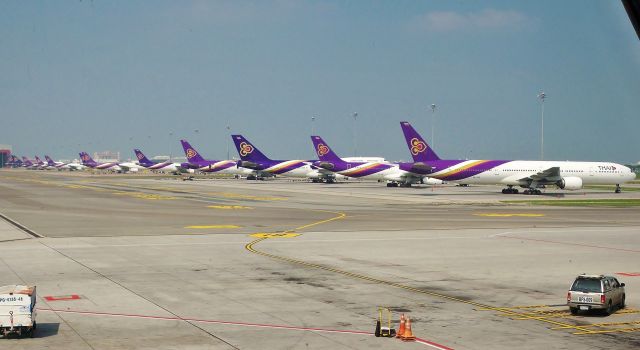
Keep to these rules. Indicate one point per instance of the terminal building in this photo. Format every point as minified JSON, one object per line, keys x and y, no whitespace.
{"x":5,"y":154}
{"x":106,"y":156}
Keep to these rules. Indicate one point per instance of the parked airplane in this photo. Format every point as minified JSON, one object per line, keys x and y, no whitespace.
{"x":531,"y":175}
{"x":27,"y":163}
{"x":252,"y":158}
{"x":392,"y":172}
{"x":196,"y":162}
{"x":39,"y":163}
{"x":88,"y":161}
{"x":162,"y":166}
{"x":61,"y":165}
{"x":14,"y":162}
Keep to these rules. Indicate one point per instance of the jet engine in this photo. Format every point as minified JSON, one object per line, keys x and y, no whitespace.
{"x":249,"y":165}
{"x":570,"y":183}
{"x":394,"y":177}
{"x":432,"y":181}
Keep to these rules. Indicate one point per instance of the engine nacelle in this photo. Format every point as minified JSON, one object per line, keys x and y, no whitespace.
{"x":432,"y":181}
{"x":570,"y":183}
{"x":394,"y":177}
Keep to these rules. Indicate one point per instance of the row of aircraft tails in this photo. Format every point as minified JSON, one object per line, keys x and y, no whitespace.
{"x":426,"y":167}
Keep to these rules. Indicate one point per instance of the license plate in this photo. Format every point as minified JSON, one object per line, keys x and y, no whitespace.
{"x":584,"y":308}
{"x":585,"y":299}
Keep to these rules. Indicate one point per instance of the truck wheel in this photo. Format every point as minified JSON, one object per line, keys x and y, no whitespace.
{"x":574,"y":310}
{"x":622,"y":303}
{"x":609,"y":309}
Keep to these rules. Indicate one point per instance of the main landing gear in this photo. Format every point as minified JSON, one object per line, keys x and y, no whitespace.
{"x":618,"y":190}
{"x":532,"y":191}
{"x":510,"y":190}
{"x":398,"y":184}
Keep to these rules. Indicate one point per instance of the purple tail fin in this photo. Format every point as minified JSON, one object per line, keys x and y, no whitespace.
{"x":26,"y":161}
{"x":247,"y":151}
{"x":141,"y":157}
{"x":50,"y":161}
{"x":38,"y":160}
{"x":192,"y":155}
{"x":86,"y":159}
{"x":420,"y":150}
{"x":325,"y":154}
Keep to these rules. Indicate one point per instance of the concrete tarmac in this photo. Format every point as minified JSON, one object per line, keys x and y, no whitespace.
{"x":221,"y":264}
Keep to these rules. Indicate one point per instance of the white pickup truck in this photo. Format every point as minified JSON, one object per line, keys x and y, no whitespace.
{"x":17,"y":310}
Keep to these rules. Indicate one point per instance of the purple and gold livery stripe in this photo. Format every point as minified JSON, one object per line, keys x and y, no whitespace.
{"x":158,"y":166}
{"x":285,"y":167}
{"x":218,"y":166}
{"x":106,"y":165}
{"x":472,"y":168}
{"x":366,"y":170}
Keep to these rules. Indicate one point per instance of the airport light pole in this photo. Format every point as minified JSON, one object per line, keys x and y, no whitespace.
{"x":433,"y":123}
{"x":170,"y":139}
{"x":541,"y":97}
{"x":355,"y":142}
{"x":313,"y":119}
{"x":228,"y":134}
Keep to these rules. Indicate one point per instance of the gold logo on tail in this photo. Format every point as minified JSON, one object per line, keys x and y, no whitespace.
{"x":322,"y":150}
{"x":245,"y":149}
{"x":417,"y":146}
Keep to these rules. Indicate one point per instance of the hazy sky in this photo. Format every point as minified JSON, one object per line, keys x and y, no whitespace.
{"x":114,"y":75}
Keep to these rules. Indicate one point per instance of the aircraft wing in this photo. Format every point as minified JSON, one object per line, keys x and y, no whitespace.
{"x":551,"y":175}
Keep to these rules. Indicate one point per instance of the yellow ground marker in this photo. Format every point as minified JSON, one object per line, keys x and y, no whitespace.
{"x":250,"y":247}
{"x":504,"y":215}
{"x":229,"y":207}
{"x":212,"y":226}
{"x":143,"y":195}
{"x":275,"y":235}
{"x":246,"y":196}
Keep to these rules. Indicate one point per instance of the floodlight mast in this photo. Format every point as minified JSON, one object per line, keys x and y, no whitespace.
{"x":433,"y":123}
{"x":355,"y":143}
{"x":542,"y":96}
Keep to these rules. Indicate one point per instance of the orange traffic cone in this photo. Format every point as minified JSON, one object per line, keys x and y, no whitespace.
{"x":402,"y":327}
{"x":408,"y":335}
